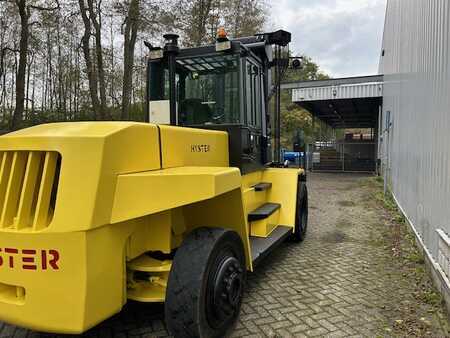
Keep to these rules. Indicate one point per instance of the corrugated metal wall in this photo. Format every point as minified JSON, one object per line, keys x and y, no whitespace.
{"x":416,"y":65}
{"x":360,"y":90}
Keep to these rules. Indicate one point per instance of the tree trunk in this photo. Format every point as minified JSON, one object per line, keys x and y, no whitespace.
{"x":27,"y":100}
{"x":203,"y":15}
{"x":51,"y":94}
{"x":2,"y":62}
{"x":44,"y":88}
{"x":61,"y":106}
{"x":21,"y":73}
{"x":237,"y":18}
{"x":92,"y":76}
{"x":32,"y":93}
{"x":131,"y":29}
{"x":96,"y":20}
{"x":2,"y":78}
{"x":111,"y":78}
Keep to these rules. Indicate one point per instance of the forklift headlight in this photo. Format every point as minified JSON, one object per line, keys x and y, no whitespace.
{"x":296,"y":64}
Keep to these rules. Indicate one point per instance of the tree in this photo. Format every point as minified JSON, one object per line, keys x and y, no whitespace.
{"x":200,"y":19}
{"x":90,"y":71}
{"x":130,"y":35}
{"x":293,"y":117}
{"x":96,"y":18}
{"x":24,"y":12}
{"x":198,"y":13}
{"x":24,"y":9}
{"x":245,"y":17}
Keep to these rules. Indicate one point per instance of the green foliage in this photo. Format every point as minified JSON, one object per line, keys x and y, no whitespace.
{"x":85,"y":114}
{"x":137,"y":112}
{"x":293,"y":117}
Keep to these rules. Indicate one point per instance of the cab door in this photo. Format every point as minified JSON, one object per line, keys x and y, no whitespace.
{"x":253,"y":104}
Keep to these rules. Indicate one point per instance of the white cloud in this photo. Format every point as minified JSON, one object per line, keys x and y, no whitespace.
{"x":342,"y":36}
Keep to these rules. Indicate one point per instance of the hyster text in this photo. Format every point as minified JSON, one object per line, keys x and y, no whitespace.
{"x":200,"y":148}
{"x":29,"y":259}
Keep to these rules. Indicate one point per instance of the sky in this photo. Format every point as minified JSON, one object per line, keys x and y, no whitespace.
{"x":342,"y":36}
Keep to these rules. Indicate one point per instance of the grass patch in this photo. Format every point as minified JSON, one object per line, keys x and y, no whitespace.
{"x":405,"y":254}
{"x":431,"y":297}
{"x":415,"y":257}
{"x":388,"y":202}
{"x":379,"y":179}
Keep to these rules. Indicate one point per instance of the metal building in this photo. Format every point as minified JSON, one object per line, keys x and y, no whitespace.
{"x":415,"y":133}
{"x":343,"y":104}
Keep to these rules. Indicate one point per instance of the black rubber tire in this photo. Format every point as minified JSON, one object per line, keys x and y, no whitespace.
{"x":301,"y":213}
{"x":190,"y":309}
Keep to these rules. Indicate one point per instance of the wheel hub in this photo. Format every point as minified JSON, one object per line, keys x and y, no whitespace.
{"x":228,"y":288}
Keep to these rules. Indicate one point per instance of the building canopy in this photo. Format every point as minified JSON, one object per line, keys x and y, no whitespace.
{"x":341,"y":103}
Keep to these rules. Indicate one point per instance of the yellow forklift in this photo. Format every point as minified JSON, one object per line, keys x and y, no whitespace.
{"x":177,"y":210}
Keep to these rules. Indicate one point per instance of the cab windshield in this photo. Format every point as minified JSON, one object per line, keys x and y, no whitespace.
{"x":208,"y":90}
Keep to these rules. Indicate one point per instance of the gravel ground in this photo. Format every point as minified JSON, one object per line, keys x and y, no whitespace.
{"x":357,"y":274}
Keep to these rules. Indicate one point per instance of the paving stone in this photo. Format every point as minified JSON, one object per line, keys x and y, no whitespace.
{"x":336,"y":334}
{"x":326,"y":324}
{"x":320,"y":331}
{"x":8,"y":331}
{"x":334,"y":284}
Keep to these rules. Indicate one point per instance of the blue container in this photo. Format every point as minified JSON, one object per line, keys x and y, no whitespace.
{"x":291,"y":156}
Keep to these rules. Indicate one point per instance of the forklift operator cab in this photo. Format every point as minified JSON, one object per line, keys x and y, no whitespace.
{"x":221,"y":89}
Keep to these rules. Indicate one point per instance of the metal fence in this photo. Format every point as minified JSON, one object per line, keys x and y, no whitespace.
{"x":342,"y":156}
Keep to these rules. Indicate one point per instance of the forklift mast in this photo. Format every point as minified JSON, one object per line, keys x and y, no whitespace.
{"x":230,"y":86}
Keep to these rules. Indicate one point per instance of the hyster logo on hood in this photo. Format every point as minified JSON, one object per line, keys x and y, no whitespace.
{"x":29,"y":259}
{"x":200,"y":148}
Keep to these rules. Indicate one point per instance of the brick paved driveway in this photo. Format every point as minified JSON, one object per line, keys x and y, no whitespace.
{"x":338,"y":283}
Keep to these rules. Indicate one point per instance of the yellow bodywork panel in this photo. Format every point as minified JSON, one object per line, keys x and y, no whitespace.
{"x":193,"y":147}
{"x":224,"y":211}
{"x":253,"y":199}
{"x":155,"y":191}
{"x":93,"y":154}
{"x":153,"y":233}
{"x":69,"y":282}
{"x":157,"y":232}
{"x":264,"y":227}
{"x":283,"y":191}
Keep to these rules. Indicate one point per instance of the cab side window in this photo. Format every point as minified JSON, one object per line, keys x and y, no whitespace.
{"x":253,"y":94}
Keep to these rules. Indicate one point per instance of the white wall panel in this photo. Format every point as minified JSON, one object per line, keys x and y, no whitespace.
{"x":416,"y":68}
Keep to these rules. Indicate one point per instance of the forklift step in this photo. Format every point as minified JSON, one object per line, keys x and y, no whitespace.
{"x":263,"y":211}
{"x":261,"y":247}
{"x":263,"y":186}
